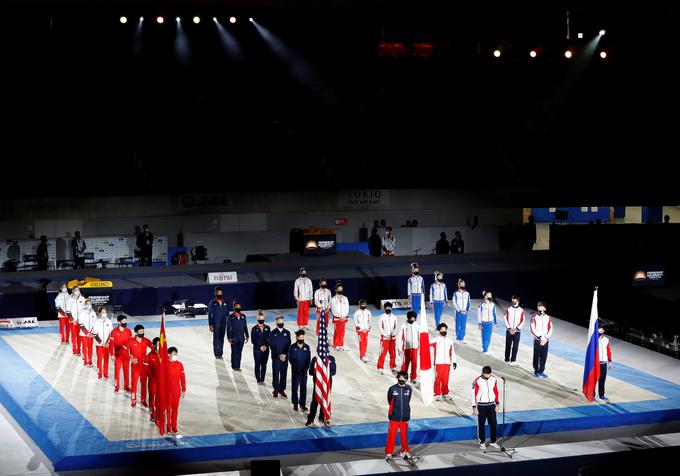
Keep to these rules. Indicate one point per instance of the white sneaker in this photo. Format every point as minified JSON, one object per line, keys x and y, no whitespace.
{"x":438,"y":398}
{"x":405,"y":454}
{"x":482,"y":446}
{"x":463,"y":342}
{"x":447,"y":397}
{"x":382,"y":371}
{"x":494,"y":445}
{"x":388,"y":458}
{"x":485,"y":352}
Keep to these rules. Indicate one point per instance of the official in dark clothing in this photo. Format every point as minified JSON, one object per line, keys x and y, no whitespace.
{"x":442,"y":247}
{"x":217,"y":320}
{"x":145,"y":245}
{"x":374,"y":244}
{"x":299,"y":356}
{"x":259,"y":336}
{"x":279,"y":343}
{"x":41,"y":254}
{"x":237,"y":335}
{"x":315,"y":405}
{"x":457,"y":244}
{"x":78,"y":246}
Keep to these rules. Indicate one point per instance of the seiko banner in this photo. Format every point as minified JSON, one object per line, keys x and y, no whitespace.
{"x":397,"y":303}
{"x":226,"y":277}
{"x":18,"y":322}
{"x":364,"y":199}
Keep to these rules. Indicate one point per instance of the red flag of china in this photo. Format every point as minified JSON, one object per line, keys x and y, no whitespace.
{"x":163,"y":383}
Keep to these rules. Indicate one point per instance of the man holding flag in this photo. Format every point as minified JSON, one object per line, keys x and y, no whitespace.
{"x":162,"y":381}
{"x":322,"y":370}
{"x":591,"y":370}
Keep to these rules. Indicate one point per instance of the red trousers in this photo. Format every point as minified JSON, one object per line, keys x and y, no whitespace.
{"x":86,"y":344}
{"x":152,"y":397}
{"x":318,"y":321}
{"x":339,"y":333}
{"x":303,"y":313}
{"x":402,"y":427}
{"x":75,"y":337}
{"x":441,"y":381}
{"x":173,"y":408}
{"x":103,"y":361}
{"x":410,"y":357}
{"x":385,"y":346}
{"x":125,"y":363}
{"x":363,"y":343}
{"x":64,"y":328}
{"x":138,"y":375}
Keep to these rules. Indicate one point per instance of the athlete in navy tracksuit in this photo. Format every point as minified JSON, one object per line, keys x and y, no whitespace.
{"x":217,"y":320}
{"x":399,"y":413}
{"x":259,"y":336}
{"x":300,"y":357}
{"x":279,"y":343}
{"x":237,"y":335}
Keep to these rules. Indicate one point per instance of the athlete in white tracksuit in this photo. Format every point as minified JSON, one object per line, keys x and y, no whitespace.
{"x":362,"y":323}
{"x":408,"y":343}
{"x":438,"y":297}
{"x":461,"y":302}
{"x":444,"y":359}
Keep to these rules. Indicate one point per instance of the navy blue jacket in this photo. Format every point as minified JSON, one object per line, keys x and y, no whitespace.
{"x":313,"y":363}
{"x":279,"y":342}
{"x":260,"y":337}
{"x":217,"y":313}
{"x":299,"y":358}
{"x":399,"y":399}
{"x":237,"y":328}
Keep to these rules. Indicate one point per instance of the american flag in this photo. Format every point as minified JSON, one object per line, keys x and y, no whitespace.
{"x":322,"y":371}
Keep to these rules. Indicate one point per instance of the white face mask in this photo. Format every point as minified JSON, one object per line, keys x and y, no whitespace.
{"x":64,"y":289}
{"x":88,"y":306}
{"x":103,"y":315}
{"x":173,"y":358}
{"x":76,"y":293}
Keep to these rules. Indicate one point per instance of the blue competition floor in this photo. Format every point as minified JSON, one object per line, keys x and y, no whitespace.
{"x":72,"y":442}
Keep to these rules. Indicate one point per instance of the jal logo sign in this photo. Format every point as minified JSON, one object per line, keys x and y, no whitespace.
{"x":364,"y":199}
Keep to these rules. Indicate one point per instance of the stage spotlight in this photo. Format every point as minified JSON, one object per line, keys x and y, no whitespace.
{"x":497,"y":53}
{"x":602,"y":32}
{"x":580,"y":36}
{"x":532,"y":53}
{"x":123,"y":20}
{"x":603,"y":54}
{"x":160,"y":20}
{"x":251,"y":19}
{"x":197,"y":20}
{"x":141,"y":19}
{"x":568,"y":54}
{"x":215,"y":19}
{"x":232,"y":20}
{"x":178,"y":20}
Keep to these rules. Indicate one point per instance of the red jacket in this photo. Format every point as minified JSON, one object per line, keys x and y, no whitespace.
{"x":138,"y":349}
{"x":178,"y":382}
{"x":151,"y":366}
{"x":119,"y":342}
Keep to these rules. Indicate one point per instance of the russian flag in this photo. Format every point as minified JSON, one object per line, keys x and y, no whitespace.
{"x":425,"y":360}
{"x":591,"y":371}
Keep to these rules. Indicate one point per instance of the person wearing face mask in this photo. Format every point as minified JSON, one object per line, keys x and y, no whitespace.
{"x":120,"y":339}
{"x":514,"y":320}
{"x":438,"y":296}
{"x":416,"y":287}
{"x":151,"y":364}
{"x":340,"y":311}
{"x":86,"y":321}
{"x":388,"y":242}
{"x":303,"y":293}
{"x":485,"y":405}
{"x":75,"y":307}
{"x":408,"y":343}
{"x":102,"y":332}
{"x":444,"y":359}
{"x":279,"y":343}
{"x":461,"y":302}
{"x":178,"y":387}
{"x":542,"y":330}
{"x":399,"y":414}
{"x":137,"y":347}
{"x":61,"y":304}
{"x":237,"y":335}
{"x":362,"y":323}
{"x":605,"y":353}
{"x":322,"y":301}
{"x":300,"y":357}
{"x":217,"y":321}
{"x":486,"y":315}
{"x":388,"y":338}
{"x":260,"y":339}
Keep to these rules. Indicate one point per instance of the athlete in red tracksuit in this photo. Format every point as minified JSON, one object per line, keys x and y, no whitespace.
{"x":75,"y":307}
{"x":388,"y":336}
{"x":362,"y":322}
{"x":303,"y":293}
{"x":138,"y":346}
{"x":340,"y":311}
{"x":151,"y":369}
{"x":444,"y":359}
{"x":408,"y":343}
{"x":61,"y":305}
{"x":120,"y":338}
{"x":178,"y":387}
